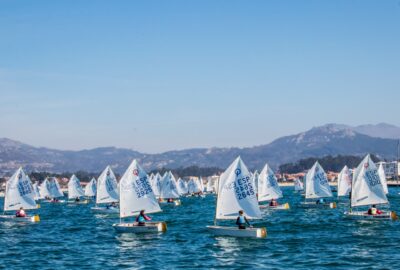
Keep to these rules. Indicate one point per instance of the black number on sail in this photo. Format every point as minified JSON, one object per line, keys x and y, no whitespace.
{"x":24,"y":188}
{"x":372,"y":178}
{"x":243,"y":188}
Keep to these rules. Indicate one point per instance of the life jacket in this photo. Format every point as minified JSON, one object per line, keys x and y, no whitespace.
{"x":374,"y":211}
{"x":241,"y":220}
{"x":141,"y":219}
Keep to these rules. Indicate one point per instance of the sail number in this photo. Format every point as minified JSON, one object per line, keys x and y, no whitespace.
{"x":321,"y":178}
{"x":24,"y":188}
{"x":142,"y":187}
{"x":373,"y":178}
{"x":243,"y":188}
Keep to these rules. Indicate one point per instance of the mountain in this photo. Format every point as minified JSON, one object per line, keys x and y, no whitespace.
{"x":331,"y":139}
{"x":381,"y":130}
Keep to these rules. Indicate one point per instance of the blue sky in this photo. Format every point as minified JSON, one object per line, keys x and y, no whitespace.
{"x":164,"y":75}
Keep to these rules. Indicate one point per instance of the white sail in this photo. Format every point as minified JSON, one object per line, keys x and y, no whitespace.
{"x":210,"y":186}
{"x":201,"y":184}
{"x":256,"y":176}
{"x":268,"y":187}
{"x":90,"y":189}
{"x":156,"y":184}
{"x":382,"y":176}
{"x":298,"y":185}
{"x":169,"y":189}
{"x":182,"y":188}
{"x":74,"y":188}
{"x":236,"y":192}
{"x":367,"y":188}
{"x":45,"y":189}
{"x":37,"y":191}
{"x":107,"y":187}
{"x":54,"y":188}
{"x":193,"y":186}
{"x":344,"y":182}
{"x":136,"y":193}
{"x":317,"y":185}
{"x":19,"y":192}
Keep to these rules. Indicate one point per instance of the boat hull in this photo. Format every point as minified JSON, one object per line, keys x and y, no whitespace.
{"x":284,"y":206}
{"x":362,"y":215}
{"x":150,"y":227}
{"x":315,"y":205}
{"x":105,"y":210}
{"x":175,"y":203}
{"x":236,"y":232}
{"x":13,"y":218}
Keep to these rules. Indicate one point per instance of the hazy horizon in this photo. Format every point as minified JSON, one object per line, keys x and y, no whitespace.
{"x":157,"y":76}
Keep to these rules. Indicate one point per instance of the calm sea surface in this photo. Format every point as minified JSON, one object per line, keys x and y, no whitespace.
{"x":72,"y":237}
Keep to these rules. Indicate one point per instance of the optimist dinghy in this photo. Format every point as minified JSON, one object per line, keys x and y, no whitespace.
{"x":90,"y":189}
{"x":317,"y":187}
{"x":367,"y":189}
{"x":344,"y":183}
{"x":136,"y":195}
{"x":19,"y":193}
{"x":75,"y":191}
{"x":169,"y":190}
{"x":107,"y":193}
{"x":235,"y":193}
{"x":268,"y":189}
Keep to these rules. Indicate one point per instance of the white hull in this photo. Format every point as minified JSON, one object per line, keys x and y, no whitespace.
{"x":13,"y":218}
{"x":320,"y":205}
{"x":363,"y":215}
{"x":284,"y":206}
{"x":150,"y":227}
{"x":175,"y":202}
{"x":236,"y":232}
{"x":105,"y":210}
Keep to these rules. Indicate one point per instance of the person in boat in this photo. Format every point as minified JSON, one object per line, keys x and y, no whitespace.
{"x":374,"y":211}
{"x":54,"y":200}
{"x":111,"y":206}
{"x":142,"y":218}
{"x":20,"y":213}
{"x":77,"y":199}
{"x":273,"y":203}
{"x":320,"y":201}
{"x":170,"y":200}
{"x":242,"y":221}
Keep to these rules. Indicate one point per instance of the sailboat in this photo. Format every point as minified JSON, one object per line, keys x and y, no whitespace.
{"x":44,"y":189}
{"x":90,"y":189}
{"x":37,"y":191}
{"x":210,"y":186}
{"x":268,"y":189}
{"x":169,"y":189}
{"x":317,"y":187}
{"x":136,"y":195}
{"x":235,"y":193}
{"x":19,"y":193}
{"x":107,"y":192}
{"x":298,"y":185}
{"x":182,"y":188}
{"x":156,"y":184}
{"x":382,"y":176}
{"x":367,"y":189}
{"x":344,"y":182}
{"x":75,"y":191}
{"x":55,"y":190}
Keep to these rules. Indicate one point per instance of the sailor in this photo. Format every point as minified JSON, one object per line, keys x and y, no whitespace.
{"x":273,"y":203}
{"x":142,"y":218}
{"x":374,"y":211}
{"x":242,"y":221}
{"x":20,"y":213}
{"x":320,"y":201}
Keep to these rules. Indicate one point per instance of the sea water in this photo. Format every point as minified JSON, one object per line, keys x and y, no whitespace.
{"x":73,"y":237}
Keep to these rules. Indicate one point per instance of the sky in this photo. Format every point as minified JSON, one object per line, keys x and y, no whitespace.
{"x":165,"y":75}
